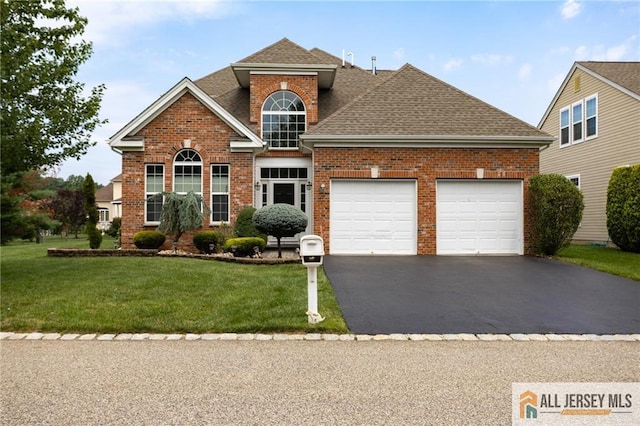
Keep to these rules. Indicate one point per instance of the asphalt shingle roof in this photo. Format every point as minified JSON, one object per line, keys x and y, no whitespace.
{"x":404,"y":102}
{"x":626,"y":74}
{"x":412,"y":102}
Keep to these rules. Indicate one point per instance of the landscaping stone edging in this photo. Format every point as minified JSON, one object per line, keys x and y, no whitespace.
{"x":61,"y":252}
{"x":323,"y":337}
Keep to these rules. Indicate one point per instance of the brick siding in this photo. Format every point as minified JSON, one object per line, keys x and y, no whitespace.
{"x":425,"y":165}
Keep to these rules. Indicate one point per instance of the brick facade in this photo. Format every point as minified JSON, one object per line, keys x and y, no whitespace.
{"x":186,"y":123}
{"x":425,"y":165}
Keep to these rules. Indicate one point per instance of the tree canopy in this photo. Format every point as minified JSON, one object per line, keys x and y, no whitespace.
{"x":45,"y":116}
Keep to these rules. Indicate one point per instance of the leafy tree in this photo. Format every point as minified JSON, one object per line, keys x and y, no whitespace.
{"x":181,"y":213}
{"x":280,"y":220}
{"x":68,"y":208}
{"x":556,"y":212}
{"x":91,"y":210}
{"x":45,"y":116}
{"x":623,"y":208}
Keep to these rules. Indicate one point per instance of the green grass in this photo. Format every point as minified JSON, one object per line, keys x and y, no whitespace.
{"x":604,"y":259}
{"x":154,"y":294}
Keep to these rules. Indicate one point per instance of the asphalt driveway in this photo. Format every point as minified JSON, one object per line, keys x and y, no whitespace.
{"x":484,"y":294}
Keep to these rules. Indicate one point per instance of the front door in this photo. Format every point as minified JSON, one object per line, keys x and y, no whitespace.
{"x":284,"y":193}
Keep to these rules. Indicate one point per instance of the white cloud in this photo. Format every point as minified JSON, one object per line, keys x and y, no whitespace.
{"x":626,"y":50}
{"x":524,"y":73}
{"x":560,"y":50}
{"x":452,"y":64}
{"x":571,"y":9}
{"x":492,"y":59}
{"x":112,"y":22}
{"x":399,"y":54}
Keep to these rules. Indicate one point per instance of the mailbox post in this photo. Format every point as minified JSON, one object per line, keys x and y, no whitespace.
{"x":312,"y":253}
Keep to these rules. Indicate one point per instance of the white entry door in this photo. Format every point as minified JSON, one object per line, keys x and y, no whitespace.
{"x":373,"y":217}
{"x":479,"y":217}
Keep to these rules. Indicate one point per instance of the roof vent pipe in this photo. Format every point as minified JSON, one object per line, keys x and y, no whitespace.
{"x":373,"y":65}
{"x":342,"y":58}
{"x":352,"y":58}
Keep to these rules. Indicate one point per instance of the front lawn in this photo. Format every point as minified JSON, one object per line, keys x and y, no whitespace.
{"x":604,"y":259}
{"x":154,"y":294}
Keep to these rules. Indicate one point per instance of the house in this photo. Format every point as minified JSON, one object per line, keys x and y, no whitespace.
{"x":595,"y":116}
{"x":109,"y":200}
{"x":381,"y":162}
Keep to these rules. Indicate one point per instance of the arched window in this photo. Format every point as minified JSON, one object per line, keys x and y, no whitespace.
{"x":284,"y":118}
{"x":187,"y":172}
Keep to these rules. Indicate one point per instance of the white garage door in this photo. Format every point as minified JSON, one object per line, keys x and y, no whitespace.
{"x":373,"y":217}
{"x":479,"y":217}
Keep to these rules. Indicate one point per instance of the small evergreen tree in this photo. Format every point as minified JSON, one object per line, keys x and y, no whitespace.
{"x":623,"y":208}
{"x":556,"y":212}
{"x":91,"y":210}
{"x":244,"y":226}
{"x":280,"y":220}
{"x":181,"y":213}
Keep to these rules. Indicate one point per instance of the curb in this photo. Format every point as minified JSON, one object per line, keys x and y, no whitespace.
{"x":324,"y":337}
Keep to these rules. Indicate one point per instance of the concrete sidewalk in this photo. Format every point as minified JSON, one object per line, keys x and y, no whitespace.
{"x":289,"y":382}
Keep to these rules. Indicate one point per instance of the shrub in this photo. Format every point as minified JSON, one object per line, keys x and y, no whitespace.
{"x":244,"y":226}
{"x":203,"y":239}
{"x":623,"y":208}
{"x":280,"y":220}
{"x":91,"y":210}
{"x":114,"y":228}
{"x":149,"y":239}
{"x":244,"y":246}
{"x":556,"y":212}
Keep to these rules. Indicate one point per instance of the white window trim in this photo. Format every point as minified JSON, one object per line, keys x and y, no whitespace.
{"x":575,"y":177}
{"x":595,"y":135}
{"x":228,"y":194}
{"x":146,"y":194}
{"x":573,"y":122}
{"x":569,"y":127}
{"x":186,"y":163}
{"x":263,"y":113}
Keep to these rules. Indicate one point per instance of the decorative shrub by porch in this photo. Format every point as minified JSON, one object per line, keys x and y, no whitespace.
{"x":203,"y":240}
{"x":244,"y":246}
{"x":623,"y":208}
{"x":280,"y":220}
{"x":556,"y":212}
{"x":244,"y":226}
{"x":149,"y":239}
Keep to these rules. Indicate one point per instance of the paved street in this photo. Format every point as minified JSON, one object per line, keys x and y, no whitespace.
{"x":289,"y":382}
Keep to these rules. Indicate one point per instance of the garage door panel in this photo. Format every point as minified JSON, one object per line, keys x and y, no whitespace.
{"x":373,"y":217}
{"x":479,"y":217}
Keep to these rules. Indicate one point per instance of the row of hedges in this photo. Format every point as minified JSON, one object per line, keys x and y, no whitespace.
{"x":242,"y":241}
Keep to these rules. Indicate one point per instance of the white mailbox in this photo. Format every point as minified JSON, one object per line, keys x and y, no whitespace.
{"x":311,"y":250}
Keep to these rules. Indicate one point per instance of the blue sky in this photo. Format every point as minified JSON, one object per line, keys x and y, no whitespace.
{"x":511,"y":54}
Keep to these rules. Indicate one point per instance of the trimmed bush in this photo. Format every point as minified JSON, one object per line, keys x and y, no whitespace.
{"x":114,"y":228}
{"x":244,"y":226}
{"x":556,"y":212}
{"x":623,"y":208}
{"x":280,"y":220}
{"x":149,"y":239}
{"x":244,"y":245}
{"x":91,"y":210}
{"x":203,"y":239}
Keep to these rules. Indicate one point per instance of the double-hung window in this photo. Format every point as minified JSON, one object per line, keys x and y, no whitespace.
{"x":219,"y":193}
{"x":153,"y":188}
{"x":564,"y":127}
{"x":576,"y":113}
{"x":579,"y":121}
{"x":591,"y":116}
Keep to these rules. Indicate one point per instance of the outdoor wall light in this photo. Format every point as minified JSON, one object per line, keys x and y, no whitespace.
{"x":309,"y":185}
{"x":257,"y":185}
{"x":323,"y":188}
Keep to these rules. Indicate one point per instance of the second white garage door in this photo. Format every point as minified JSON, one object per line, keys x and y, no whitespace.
{"x":479,"y":217}
{"x":373,"y":217}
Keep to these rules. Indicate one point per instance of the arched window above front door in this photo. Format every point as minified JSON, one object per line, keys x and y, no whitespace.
{"x":284,"y":119}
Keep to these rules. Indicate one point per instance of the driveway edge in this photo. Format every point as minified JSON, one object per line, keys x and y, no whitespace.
{"x":516,"y":337}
